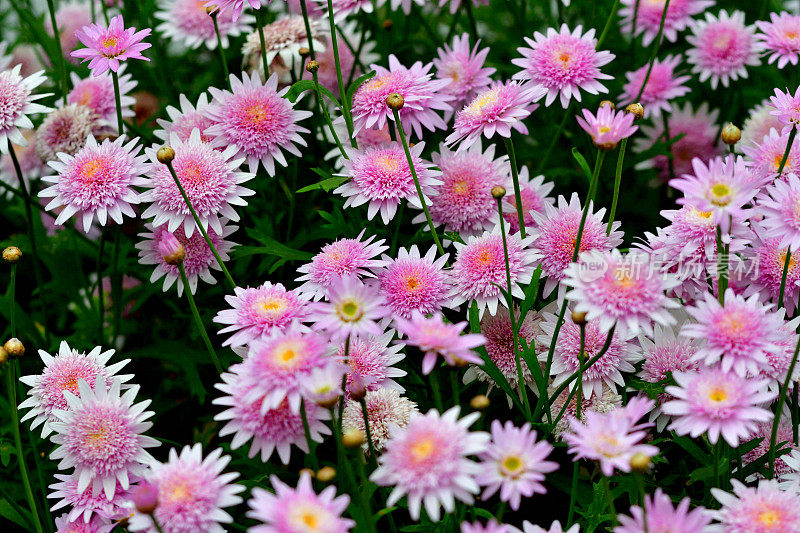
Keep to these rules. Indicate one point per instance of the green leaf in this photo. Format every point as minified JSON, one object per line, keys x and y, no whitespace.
{"x":583,"y":164}
{"x":531,"y":293}
{"x":275,"y":248}
{"x":8,"y":512}
{"x":299,"y":87}
{"x":356,"y":84}
{"x":326,"y":185}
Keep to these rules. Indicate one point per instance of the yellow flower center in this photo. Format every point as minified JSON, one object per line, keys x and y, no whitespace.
{"x":91,"y":168}
{"x":273,"y":306}
{"x":777,"y":162}
{"x":387,"y":163}
{"x":422,"y":450}
{"x":109,"y":41}
{"x":720,"y":194}
{"x":718,"y":395}
{"x":349,"y":311}
{"x":603,"y":129}
{"x":512,"y":465}
{"x":769,"y":518}
{"x":178,"y":492}
{"x":412,"y":283}
{"x":461,"y":187}
{"x":257,"y":113}
{"x":485,"y":99}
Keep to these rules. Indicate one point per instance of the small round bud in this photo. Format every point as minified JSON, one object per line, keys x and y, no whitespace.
{"x":731,"y":134}
{"x":3,"y":356}
{"x":579,"y":318}
{"x":11,"y":254}
{"x":395,"y":102}
{"x":387,"y":24}
{"x":170,"y":248}
{"x":312,"y":66}
{"x":498,"y":192}
{"x":357,"y":388}
{"x":307,"y":471}
{"x":326,"y":474}
{"x":608,"y":103}
{"x":212,"y":11}
{"x":637,"y":110}
{"x":14,"y":347}
{"x":479,"y":402}
{"x":353,"y":438}
{"x":145,"y":498}
{"x":304,"y":52}
{"x":640,"y":463}
{"x":165,"y":154}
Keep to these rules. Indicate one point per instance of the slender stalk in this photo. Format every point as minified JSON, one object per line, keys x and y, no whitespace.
{"x":656,"y":45}
{"x":101,"y":311}
{"x":554,"y":140}
{"x":198,"y":321}
{"x":779,"y":409}
{"x":12,"y":298}
{"x":200,"y":226}
{"x":795,"y":412}
{"x":789,"y":143}
{"x":722,"y":268}
{"x":116,"y":286}
{"x":152,"y":516}
{"x":578,"y":402}
{"x":607,"y":487}
{"x":61,"y":66}
{"x":402,"y":134}
{"x":368,"y":431}
{"x":304,"y":10}
{"x":668,"y":141}
{"x":120,"y":124}
{"x":786,"y":263}
{"x":222,"y":58}
{"x":348,"y":118}
{"x":515,"y":178}
{"x":344,"y":383}
{"x":473,"y":27}
{"x":437,"y":395}
{"x":608,"y":24}
{"x":324,"y":110}
{"x":306,"y":429}
{"x":617,"y":183}
{"x":260,"y":23}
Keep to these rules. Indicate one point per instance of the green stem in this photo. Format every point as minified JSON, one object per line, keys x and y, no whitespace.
{"x":722,"y":267}
{"x":324,"y":110}
{"x":348,"y":119}
{"x":437,"y":394}
{"x":61,"y":66}
{"x":668,"y":141}
{"x":222,"y":59}
{"x":555,"y":138}
{"x":608,"y":24}
{"x":607,"y":487}
{"x":789,"y":144}
{"x":304,"y":10}
{"x":578,"y":402}
{"x":653,"y":54}
{"x":260,"y":24}
{"x":573,"y":493}
{"x":153,"y":516}
{"x":473,"y":27}
{"x":368,"y":431}
{"x":783,"y":276}
{"x":306,"y":429}
{"x":344,"y":383}
{"x":512,"y":158}
{"x":198,"y":321}
{"x":617,"y":183}
{"x":779,"y":409}
{"x":13,"y":305}
{"x":116,"y":286}
{"x":101,"y":311}
{"x":120,"y":124}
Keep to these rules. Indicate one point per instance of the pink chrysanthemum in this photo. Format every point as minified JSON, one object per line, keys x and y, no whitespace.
{"x":555,"y":527}
{"x":427,"y":462}
{"x":534,"y":193}
{"x":659,"y":515}
{"x":257,"y":121}
{"x":608,"y":127}
{"x":382,"y":177}
{"x":479,"y":271}
{"x":343,"y":8}
{"x":780,"y":206}
{"x":787,"y":108}
{"x":339,"y":259}
{"x":722,"y":48}
{"x":464,"y":68}
{"x":17,"y":101}
{"x":26,"y":55}
{"x":211,"y":179}
{"x":514,"y":463}
{"x":491,"y":526}
{"x":764,"y":433}
{"x":648,"y":16}
{"x":499,"y":109}
{"x":107,"y":47}
{"x":385,"y":409}
{"x":188,"y":22}
{"x":436,"y":338}
{"x":192,"y":491}
{"x":29,"y":161}
{"x":65,"y":130}
{"x":185,"y":120}
{"x":761,"y":509}
{"x":199,"y":257}
{"x":61,"y":373}
{"x":97,"y":93}
{"x":97,"y":181}
{"x":301,"y":509}
{"x":323,"y":386}
{"x":662,"y":85}
{"x":463,"y":202}
{"x":235,"y":6}
{"x":353,"y":309}
{"x":422,"y":95}
{"x":556,"y":232}
{"x":764,"y":156}
{"x":274,"y":430}
{"x":84,"y":504}
{"x":97,"y":524}
{"x":70,"y":18}
{"x":738,"y":335}
{"x":717,"y":402}
{"x":371,"y":360}
{"x":100,"y":434}
{"x":758,"y":123}
{"x":693,"y":232}
{"x":564,"y":62}
{"x":413,"y":282}
{"x":599,"y":403}
{"x":780,"y":358}
{"x":258,"y":312}
{"x":283,"y":40}
{"x":781,"y":38}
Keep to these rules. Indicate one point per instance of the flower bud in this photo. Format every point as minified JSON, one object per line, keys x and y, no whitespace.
{"x":165,"y":154}
{"x":498,"y":192}
{"x":312,"y":66}
{"x":479,"y":402}
{"x":212,"y":11}
{"x":579,"y":318}
{"x":11,"y":254}
{"x":353,"y":438}
{"x":307,"y":471}
{"x":731,"y":134}
{"x":637,"y":110}
{"x":395,"y":102}
{"x":326,"y":474}
{"x":304,"y":52}
{"x":145,"y":498}
{"x":171,"y":249}
{"x":3,"y":356}
{"x":14,"y":347}
{"x":608,"y":103}
{"x":640,"y":463}
{"x":357,"y":388}
{"x":387,"y":24}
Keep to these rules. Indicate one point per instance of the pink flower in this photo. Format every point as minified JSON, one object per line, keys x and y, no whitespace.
{"x":608,"y":127}
{"x":187,"y":21}
{"x":491,"y":526}
{"x":186,"y":119}
{"x":464,"y":68}
{"x":780,"y":207}
{"x":534,"y":193}
{"x":423,"y":97}
{"x":758,"y":123}
{"x":290,"y":510}
{"x":17,"y":101}
{"x":353,"y":309}
{"x":283,"y":40}
{"x":787,"y":108}
{"x":385,"y":409}
{"x":70,"y":18}
{"x":107,"y":47}
{"x":717,"y":402}
{"x":97,"y":524}
{"x":555,"y":527}
{"x":659,"y":515}
{"x":781,"y":38}
{"x":436,"y":338}
{"x":765,"y":155}
{"x":412,"y":282}
{"x":499,"y":109}
{"x":323,"y":386}
{"x":97,"y":181}
{"x":564,"y":62}
{"x":722,"y":48}
{"x":763,"y":508}
{"x":236,"y":6}
{"x":84,"y":503}
{"x":97,"y":94}
{"x":341,"y":8}
{"x":764,"y":433}
{"x":370,"y":362}
{"x":427,"y":461}
{"x":648,"y":17}
{"x":662,"y":85}
{"x":65,"y":130}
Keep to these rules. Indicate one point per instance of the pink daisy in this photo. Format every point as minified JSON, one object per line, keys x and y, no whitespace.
{"x":423,"y":97}
{"x":185,"y":120}
{"x":534,"y":193}
{"x":97,"y":93}
{"x":257,"y":121}
{"x":342,"y":8}
{"x":199,"y":257}
{"x":606,"y":402}
{"x":717,"y":402}
{"x":436,"y":338}
{"x":427,"y":461}
{"x":491,"y":526}
{"x":662,"y":85}
{"x":339,"y":259}
{"x":188,"y":22}
{"x":780,"y":358}
{"x":283,"y":40}
{"x":84,"y":504}
{"x":763,"y":508}
{"x":381,"y":176}
{"x":348,"y":64}
{"x":65,"y":130}
{"x":556,"y":231}
{"x":235,"y":6}
{"x":211,"y":179}
{"x":412,"y":282}
{"x":300,"y":509}
{"x":787,"y":108}
{"x":97,"y":181}
{"x":353,"y":309}
{"x":648,"y":17}
{"x":780,"y":37}
{"x":97,"y":524}
{"x":61,"y":373}
{"x":385,"y":409}
{"x":564,"y":62}
{"x":100,"y":434}
{"x":464,"y":68}
{"x":29,"y":161}
{"x":514,"y":463}
{"x":780,"y":206}
{"x":107,"y":47}
{"x":17,"y":101}
{"x":722,"y":48}
{"x":693,"y":231}
{"x":323,"y":386}
{"x":370,"y":362}
{"x":758,"y":123}
{"x":608,"y":127}
{"x":70,"y":18}
{"x":659,"y":515}
{"x":192,"y":491}
{"x":764,"y":157}
{"x":479,"y":271}
{"x":555,"y":527}
{"x":499,"y":109}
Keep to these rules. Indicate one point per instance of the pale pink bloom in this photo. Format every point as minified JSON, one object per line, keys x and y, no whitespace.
{"x":27,"y":56}
{"x":564,"y":62}
{"x":256,"y":121}
{"x":423,"y":97}
{"x":385,"y":409}
{"x":29,"y":161}
{"x":427,"y":461}
{"x":659,"y":515}
{"x":534,"y":193}
{"x":97,"y":181}
{"x":758,"y":123}
{"x":210,"y":178}
{"x":185,"y":120}
{"x":764,"y":433}
{"x":107,"y":47}
{"x":235,"y":6}
{"x":781,"y":38}
{"x":323,"y":386}
{"x":259,"y":312}
{"x":692,"y":233}
{"x":780,"y":206}
{"x":648,"y":16}
{"x":291,"y":510}
{"x":764,"y":156}
{"x":84,"y":504}
{"x":65,"y":130}
{"x":722,"y":48}
{"x":787,"y":108}
{"x":283,"y":40}
{"x":371,"y":360}
{"x":606,"y":402}
{"x":491,"y":526}
{"x":353,"y":309}
{"x":70,"y":18}
{"x":341,"y":8}
{"x":662,"y":86}
{"x":100,"y":435}
{"x":97,"y":93}
{"x":413,"y":282}
{"x":555,"y":527}
{"x":763,"y":508}
{"x":348,"y":65}
{"x":780,"y":358}
{"x":404,"y":4}
{"x":17,"y":101}
{"x":187,"y":21}
{"x":463,"y":66}
{"x":436,"y":338}
{"x":717,"y":402}
{"x":97,"y":524}
{"x":608,"y":127}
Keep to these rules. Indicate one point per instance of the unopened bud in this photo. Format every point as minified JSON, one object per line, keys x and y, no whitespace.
{"x":387,"y":24}
{"x":640,"y":463}
{"x":212,"y":11}
{"x":479,"y":402}
{"x":145,"y":498}
{"x":608,"y":103}
{"x":357,"y":388}
{"x":731,"y":134}
{"x":307,"y":471}
{"x":3,"y":356}
{"x":304,"y":52}
{"x":170,"y":248}
{"x":14,"y":347}
{"x":636,"y":109}
{"x":395,"y":102}
{"x":579,"y":318}
{"x":498,"y":192}
{"x":326,"y":474}
{"x":353,"y":438}
{"x":312,"y":65}
{"x":11,"y":254}
{"x":165,"y":154}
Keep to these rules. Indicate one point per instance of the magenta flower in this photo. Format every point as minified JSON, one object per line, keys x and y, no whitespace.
{"x":186,"y":119}
{"x":608,"y":127}
{"x":97,"y":94}
{"x":771,"y":258}
{"x":648,"y":17}
{"x":97,"y":524}
{"x":781,"y":38}
{"x":659,"y":515}
{"x":236,"y":6}
{"x":787,"y":108}
{"x":783,"y":469}
{"x":107,"y":47}
{"x":17,"y":101}
{"x":353,"y":309}
{"x":766,"y":507}
{"x":187,"y":22}
{"x":84,"y":504}
{"x":464,"y":68}
{"x":534,"y":193}
{"x":413,"y":282}
{"x":662,"y":86}
{"x":765,"y":155}
{"x":371,"y":360}
{"x":436,"y":338}
{"x":780,"y":207}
